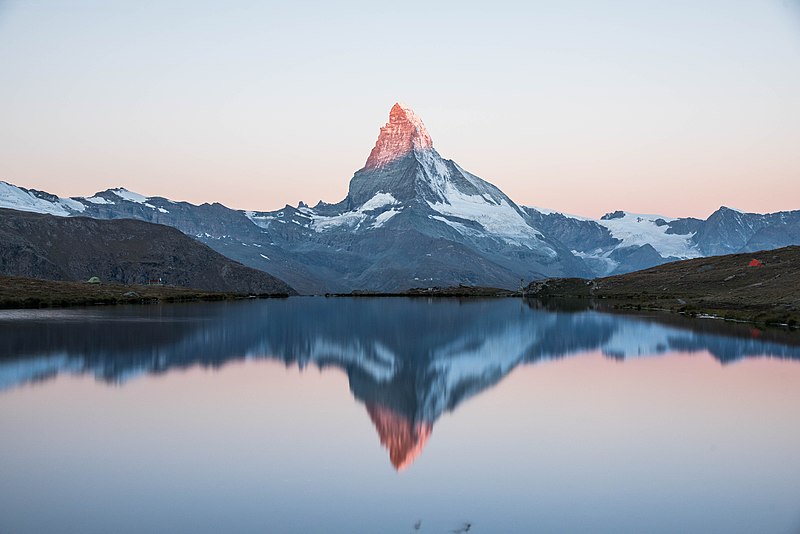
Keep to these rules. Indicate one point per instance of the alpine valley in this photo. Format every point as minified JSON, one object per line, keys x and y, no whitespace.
{"x":414,"y":219}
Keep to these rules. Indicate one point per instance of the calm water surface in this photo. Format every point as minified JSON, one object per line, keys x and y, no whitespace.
{"x":394,"y":416}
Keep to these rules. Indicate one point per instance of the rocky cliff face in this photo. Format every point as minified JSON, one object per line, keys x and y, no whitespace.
{"x":728,"y":231}
{"x":403,"y":134}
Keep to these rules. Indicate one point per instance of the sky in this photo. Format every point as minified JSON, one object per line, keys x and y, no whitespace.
{"x":585,"y":107}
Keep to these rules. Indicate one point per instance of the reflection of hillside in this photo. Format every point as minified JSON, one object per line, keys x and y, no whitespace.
{"x":408,"y":361}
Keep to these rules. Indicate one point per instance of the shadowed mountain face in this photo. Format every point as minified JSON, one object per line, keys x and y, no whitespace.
{"x":125,"y":251}
{"x":408,"y":361}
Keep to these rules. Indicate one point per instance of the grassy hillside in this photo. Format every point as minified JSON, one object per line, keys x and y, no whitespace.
{"x":726,"y":286}
{"x":16,"y":292}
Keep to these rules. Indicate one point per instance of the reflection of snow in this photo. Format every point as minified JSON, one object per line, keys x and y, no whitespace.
{"x":636,"y":339}
{"x":13,"y":373}
{"x":473,"y":347}
{"x":375,"y":359}
{"x":476,"y":360}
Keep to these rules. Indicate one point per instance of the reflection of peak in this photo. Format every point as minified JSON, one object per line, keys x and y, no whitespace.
{"x":404,"y":438}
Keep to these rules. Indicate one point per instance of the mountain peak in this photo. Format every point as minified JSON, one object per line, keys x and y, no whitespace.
{"x":403,"y":133}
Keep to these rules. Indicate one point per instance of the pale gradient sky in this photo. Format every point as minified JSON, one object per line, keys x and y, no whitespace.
{"x":582,"y":106}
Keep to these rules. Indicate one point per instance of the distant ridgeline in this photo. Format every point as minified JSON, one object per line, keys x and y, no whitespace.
{"x":414,"y":219}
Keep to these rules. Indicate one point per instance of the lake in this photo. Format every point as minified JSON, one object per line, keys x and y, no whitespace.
{"x":394,"y":416}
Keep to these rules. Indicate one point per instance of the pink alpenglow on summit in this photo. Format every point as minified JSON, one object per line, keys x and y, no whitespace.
{"x":403,"y":133}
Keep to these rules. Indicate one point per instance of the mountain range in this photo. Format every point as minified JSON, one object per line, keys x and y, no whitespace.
{"x":414,"y":219}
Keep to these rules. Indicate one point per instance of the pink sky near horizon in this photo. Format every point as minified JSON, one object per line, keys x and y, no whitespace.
{"x":584,"y":108}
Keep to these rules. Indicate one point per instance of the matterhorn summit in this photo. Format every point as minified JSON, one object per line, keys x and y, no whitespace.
{"x":403,"y":133}
{"x":405,"y":165}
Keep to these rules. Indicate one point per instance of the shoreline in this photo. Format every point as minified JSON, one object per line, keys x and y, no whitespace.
{"x":29,"y":293}
{"x":756,"y":314}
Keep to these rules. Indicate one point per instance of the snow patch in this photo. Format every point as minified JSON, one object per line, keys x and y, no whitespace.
{"x":457,"y":226}
{"x":17,"y":198}
{"x":635,"y":230}
{"x":73,"y":204}
{"x":499,"y":219}
{"x":262,"y":221}
{"x":378,"y":201}
{"x":381,"y":219}
{"x":355,"y":217}
{"x":98,"y":200}
{"x":130,"y":196}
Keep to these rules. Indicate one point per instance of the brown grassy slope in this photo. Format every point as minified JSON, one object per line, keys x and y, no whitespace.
{"x":17,"y":292}
{"x":722,"y":285}
{"x":122,"y":251}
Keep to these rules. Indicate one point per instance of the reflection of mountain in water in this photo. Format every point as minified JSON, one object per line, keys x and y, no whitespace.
{"x":404,"y":437}
{"x":407,"y":360}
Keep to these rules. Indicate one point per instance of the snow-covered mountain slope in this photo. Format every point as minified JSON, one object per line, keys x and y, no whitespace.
{"x":19,"y":198}
{"x":620,"y":242}
{"x":32,"y":200}
{"x":636,"y":230}
{"x":405,"y":173}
